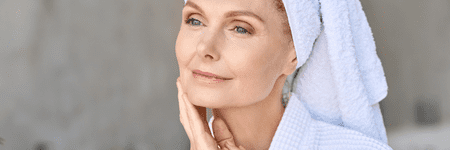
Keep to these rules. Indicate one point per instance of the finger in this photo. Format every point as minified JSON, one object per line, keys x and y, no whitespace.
{"x":224,"y":148}
{"x":202,"y":138}
{"x":221,"y":132}
{"x":183,"y":114}
{"x":201,"y":111}
{"x":203,"y":116}
{"x":230,"y":146}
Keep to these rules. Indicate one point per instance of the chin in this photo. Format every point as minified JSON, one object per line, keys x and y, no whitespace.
{"x":207,"y":101}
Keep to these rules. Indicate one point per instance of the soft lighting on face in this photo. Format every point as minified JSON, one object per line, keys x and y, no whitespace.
{"x":232,"y":40}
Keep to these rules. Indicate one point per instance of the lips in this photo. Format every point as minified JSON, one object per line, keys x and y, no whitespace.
{"x":208,"y":74}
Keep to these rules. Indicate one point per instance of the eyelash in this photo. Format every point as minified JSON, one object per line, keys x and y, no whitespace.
{"x":190,"y":20}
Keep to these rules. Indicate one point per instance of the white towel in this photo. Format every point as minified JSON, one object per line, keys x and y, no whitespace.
{"x":341,"y":80}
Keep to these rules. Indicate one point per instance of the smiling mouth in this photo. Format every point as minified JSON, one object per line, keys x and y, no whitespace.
{"x":210,"y":76}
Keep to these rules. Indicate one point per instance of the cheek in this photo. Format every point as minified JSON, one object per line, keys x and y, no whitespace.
{"x":257,"y":88}
{"x":184,"y":48}
{"x":256,"y":80}
{"x":246,"y":59}
{"x":184,"y":52}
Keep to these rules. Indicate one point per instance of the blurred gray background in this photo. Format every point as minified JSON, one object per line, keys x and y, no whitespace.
{"x":100,"y":74}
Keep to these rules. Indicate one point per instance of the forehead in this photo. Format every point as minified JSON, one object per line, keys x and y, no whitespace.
{"x":263,"y":8}
{"x":251,"y":4}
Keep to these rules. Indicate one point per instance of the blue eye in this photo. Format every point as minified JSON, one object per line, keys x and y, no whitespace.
{"x":241,"y":30}
{"x":193,"y":22}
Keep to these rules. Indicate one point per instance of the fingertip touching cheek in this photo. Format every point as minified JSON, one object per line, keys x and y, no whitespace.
{"x":230,"y":53}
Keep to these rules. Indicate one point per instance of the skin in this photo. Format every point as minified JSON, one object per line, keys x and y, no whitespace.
{"x":193,"y":120}
{"x":256,"y":54}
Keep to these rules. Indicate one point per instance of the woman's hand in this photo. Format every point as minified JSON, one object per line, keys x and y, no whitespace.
{"x":193,"y":119}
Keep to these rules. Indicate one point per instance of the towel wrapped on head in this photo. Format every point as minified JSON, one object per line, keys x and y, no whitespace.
{"x":341,"y":79}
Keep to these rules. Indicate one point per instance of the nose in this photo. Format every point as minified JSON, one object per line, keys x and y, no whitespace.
{"x":208,"y":46}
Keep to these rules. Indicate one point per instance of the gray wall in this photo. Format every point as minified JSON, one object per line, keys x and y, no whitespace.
{"x":414,"y":47}
{"x":89,"y":74}
{"x":100,"y":74}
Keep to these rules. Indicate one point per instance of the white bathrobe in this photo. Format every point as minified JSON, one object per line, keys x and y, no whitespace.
{"x":298,"y":131}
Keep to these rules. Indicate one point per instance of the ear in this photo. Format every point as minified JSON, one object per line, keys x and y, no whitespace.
{"x":292,"y":61}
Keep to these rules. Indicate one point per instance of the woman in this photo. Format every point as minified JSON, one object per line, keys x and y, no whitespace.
{"x":234,"y":57}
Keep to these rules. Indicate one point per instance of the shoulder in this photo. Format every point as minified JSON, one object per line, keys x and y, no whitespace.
{"x":330,"y":136}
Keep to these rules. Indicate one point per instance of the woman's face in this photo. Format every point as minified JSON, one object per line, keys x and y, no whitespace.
{"x":241,"y":40}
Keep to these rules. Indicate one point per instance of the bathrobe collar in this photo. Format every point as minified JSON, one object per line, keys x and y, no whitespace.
{"x":295,"y":126}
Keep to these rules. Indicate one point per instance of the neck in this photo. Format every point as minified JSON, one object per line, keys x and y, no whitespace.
{"x":254,"y":126}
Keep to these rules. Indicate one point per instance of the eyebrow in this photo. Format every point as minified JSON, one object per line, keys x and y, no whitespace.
{"x":228,"y":14}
